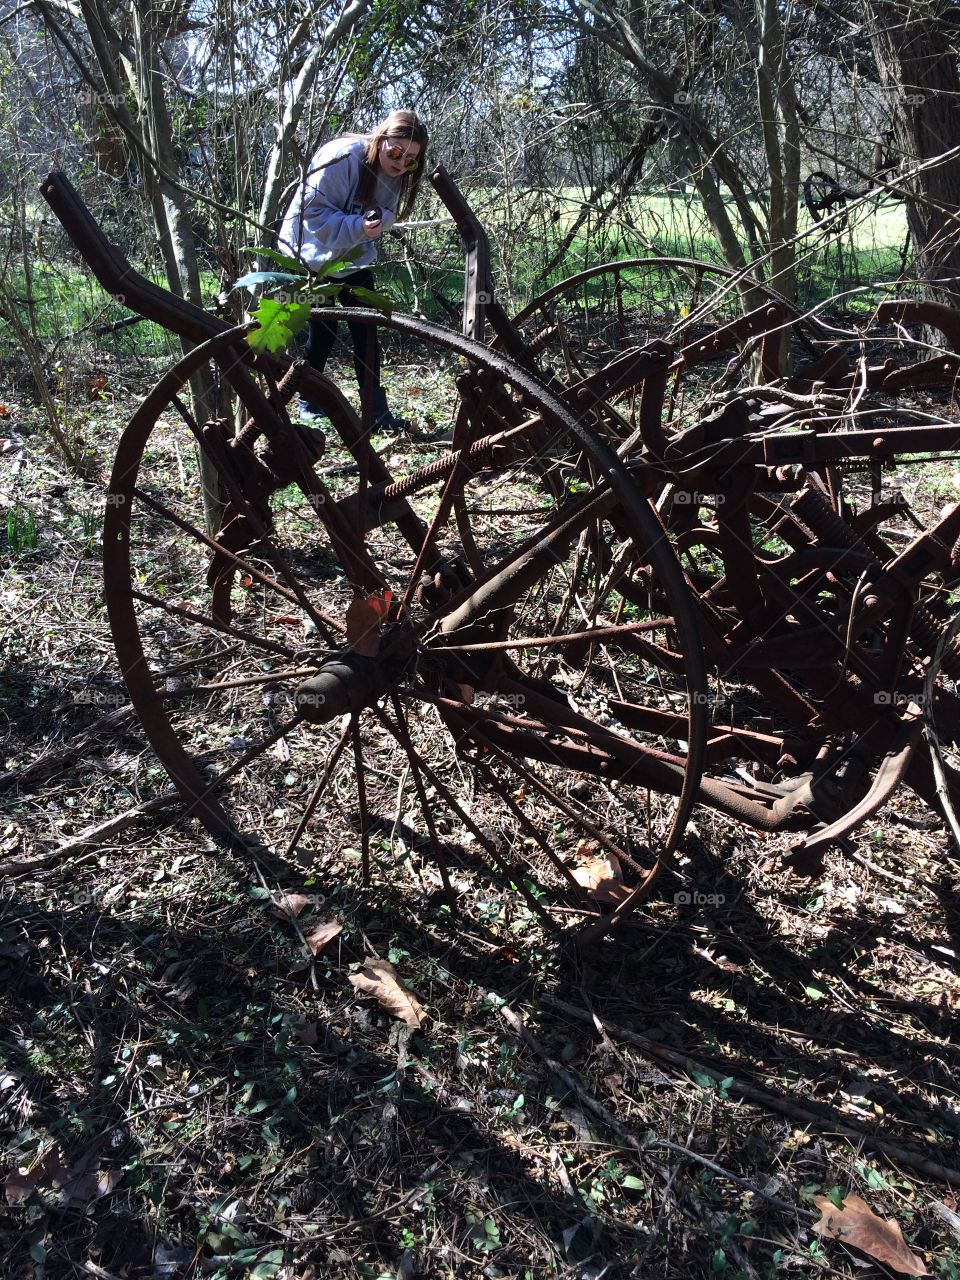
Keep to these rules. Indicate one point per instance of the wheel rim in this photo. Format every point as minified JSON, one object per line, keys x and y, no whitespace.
{"x":152,"y":628}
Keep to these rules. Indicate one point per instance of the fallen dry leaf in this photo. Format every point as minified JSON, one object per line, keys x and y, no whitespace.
{"x":856,"y":1224}
{"x":602,"y":878}
{"x":291,"y":904}
{"x":363,"y":623}
{"x":378,"y":978}
{"x":19,"y":1187}
{"x":76,"y":1186}
{"x":721,"y":961}
{"x":84,"y":1183}
{"x":322,"y":934}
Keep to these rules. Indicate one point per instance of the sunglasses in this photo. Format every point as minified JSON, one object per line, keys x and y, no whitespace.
{"x":393,"y":152}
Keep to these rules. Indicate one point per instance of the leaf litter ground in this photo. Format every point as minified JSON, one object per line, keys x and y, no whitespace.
{"x":200,"y":1075}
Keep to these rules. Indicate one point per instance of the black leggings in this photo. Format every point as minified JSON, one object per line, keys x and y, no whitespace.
{"x":366,"y":344}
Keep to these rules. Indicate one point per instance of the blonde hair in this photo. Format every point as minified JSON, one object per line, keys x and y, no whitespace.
{"x":407,"y":126}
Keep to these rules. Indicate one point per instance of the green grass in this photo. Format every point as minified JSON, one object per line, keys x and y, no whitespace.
{"x":69,"y":303}
{"x":525,"y":233}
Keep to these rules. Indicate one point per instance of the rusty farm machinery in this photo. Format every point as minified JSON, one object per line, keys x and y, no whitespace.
{"x":644,"y":571}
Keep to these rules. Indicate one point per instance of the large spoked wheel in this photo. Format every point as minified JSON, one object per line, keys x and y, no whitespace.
{"x":510,"y":631}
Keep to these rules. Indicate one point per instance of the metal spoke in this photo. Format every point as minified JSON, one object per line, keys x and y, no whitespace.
{"x":318,"y":790}
{"x":401,"y":733}
{"x":320,"y":619}
{"x":513,"y":874}
{"x":204,"y":620}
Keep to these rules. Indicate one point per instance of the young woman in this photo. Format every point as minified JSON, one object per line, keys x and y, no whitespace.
{"x":354,"y":190}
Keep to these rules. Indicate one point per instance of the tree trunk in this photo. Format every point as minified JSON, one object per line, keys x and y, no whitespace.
{"x":918,"y":67}
{"x":297,"y":99}
{"x":175,"y":231}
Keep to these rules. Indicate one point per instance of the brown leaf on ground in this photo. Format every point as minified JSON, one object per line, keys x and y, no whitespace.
{"x":18,"y":1186}
{"x":322,"y":934}
{"x":363,"y":621}
{"x":379,"y":979}
{"x":292,"y":904}
{"x":78,"y":1186}
{"x":84,"y":1183}
{"x":857,"y":1225}
{"x":602,"y":877}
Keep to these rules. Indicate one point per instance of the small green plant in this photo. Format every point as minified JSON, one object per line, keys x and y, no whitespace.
{"x":484,"y":1234}
{"x":282,"y":318}
{"x":89,"y":527}
{"x":21,"y":530}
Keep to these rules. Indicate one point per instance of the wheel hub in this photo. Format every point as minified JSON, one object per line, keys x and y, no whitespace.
{"x":350,"y":681}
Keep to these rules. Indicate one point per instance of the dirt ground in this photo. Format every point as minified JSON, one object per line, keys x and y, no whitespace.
{"x":193,"y":1084}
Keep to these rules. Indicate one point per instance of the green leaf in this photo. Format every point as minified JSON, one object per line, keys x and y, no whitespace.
{"x":268,"y":1266}
{"x":331,"y":268}
{"x":374,"y":299}
{"x":633,"y":1184}
{"x":876,"y":1180}
{"x":279,"y":322}
{"x":814,"y":993}
{"x":320,"y":297}
{"x":272,"y":278}
{"x":280,"y":259}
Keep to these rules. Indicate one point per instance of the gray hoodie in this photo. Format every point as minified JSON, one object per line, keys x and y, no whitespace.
{"x":324,"y":219}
